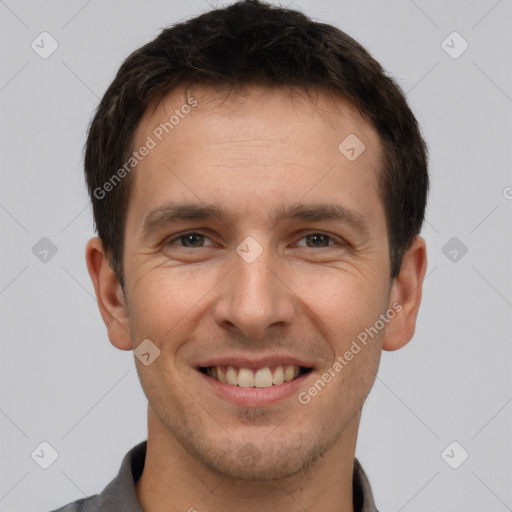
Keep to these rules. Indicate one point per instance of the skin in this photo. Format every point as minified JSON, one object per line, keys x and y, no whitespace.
{"x":304,"y":296}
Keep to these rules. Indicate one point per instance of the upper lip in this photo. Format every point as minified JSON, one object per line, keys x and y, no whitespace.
{"x":253,"y":362}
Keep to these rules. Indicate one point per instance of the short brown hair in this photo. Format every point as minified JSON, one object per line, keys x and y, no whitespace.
{"x":251,"y":42}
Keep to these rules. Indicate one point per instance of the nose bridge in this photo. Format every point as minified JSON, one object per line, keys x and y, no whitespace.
{"x":252,"y":297}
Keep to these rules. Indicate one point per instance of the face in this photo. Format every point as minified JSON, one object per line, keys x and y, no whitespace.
{"x":253,"y":242}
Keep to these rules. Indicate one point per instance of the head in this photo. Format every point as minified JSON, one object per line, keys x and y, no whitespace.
{"x":258,"y":187}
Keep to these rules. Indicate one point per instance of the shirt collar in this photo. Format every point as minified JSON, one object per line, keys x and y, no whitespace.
{"x":119,"y":495}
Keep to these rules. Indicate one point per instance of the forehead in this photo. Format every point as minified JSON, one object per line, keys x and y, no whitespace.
{"x":273,"y":144}
{"x":265,"y":104}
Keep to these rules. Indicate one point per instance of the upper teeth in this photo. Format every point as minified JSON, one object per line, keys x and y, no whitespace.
{"x":253,"y":377}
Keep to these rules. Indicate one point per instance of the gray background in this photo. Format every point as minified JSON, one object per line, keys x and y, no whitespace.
{"x":61,"y":380}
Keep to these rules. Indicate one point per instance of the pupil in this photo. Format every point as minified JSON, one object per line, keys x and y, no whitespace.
{"x":322,"y":238}
{"x":190,"y":240}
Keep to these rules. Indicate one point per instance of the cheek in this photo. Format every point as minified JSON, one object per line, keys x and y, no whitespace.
{"x":163,"y":297}
{"x":345,"y":301}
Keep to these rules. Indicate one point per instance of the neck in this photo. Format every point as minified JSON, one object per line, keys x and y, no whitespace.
{"x":174,"y":480}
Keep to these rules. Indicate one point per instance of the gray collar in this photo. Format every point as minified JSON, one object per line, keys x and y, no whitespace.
{"x":119,"y":495}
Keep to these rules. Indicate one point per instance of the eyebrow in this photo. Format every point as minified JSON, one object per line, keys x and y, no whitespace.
{"x":172,"y":212}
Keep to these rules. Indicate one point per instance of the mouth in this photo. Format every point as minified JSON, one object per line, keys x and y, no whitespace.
{"x":264,"y":377}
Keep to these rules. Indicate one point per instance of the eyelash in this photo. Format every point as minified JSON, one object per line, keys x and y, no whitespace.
{"x":330,"y":237}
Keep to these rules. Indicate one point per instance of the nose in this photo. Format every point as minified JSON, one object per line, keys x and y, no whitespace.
{"x":253,"y":298}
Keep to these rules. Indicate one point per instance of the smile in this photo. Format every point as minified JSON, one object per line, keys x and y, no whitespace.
{"x":255,"y":377}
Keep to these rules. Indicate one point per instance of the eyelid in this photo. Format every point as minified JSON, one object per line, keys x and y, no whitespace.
{"x":177,"y":236}
{"x":335,"y":239}
{"x":303,"y":234}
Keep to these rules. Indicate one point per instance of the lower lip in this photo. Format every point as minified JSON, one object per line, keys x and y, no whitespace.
{"x":257,"y":397}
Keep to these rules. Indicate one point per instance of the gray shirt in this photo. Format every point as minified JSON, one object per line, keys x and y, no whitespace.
{"x":119,"y":495}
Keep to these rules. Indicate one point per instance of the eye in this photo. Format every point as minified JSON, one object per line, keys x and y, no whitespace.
{"x":317,"y":240}
{"x":190,"y":240}
{"x":194,"y":240}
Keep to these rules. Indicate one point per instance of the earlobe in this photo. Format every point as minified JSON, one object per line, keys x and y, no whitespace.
{"x":109,"y":295}
{"x":406,"y":291}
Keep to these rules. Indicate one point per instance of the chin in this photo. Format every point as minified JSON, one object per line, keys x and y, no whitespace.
{"x":260,"y":460}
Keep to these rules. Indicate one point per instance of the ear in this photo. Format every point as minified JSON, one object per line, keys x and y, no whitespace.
{"x":109,"y":295}
{"x":406,"y":291}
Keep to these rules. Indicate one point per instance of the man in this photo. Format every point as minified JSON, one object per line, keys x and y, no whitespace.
{"x":258,"y":186}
